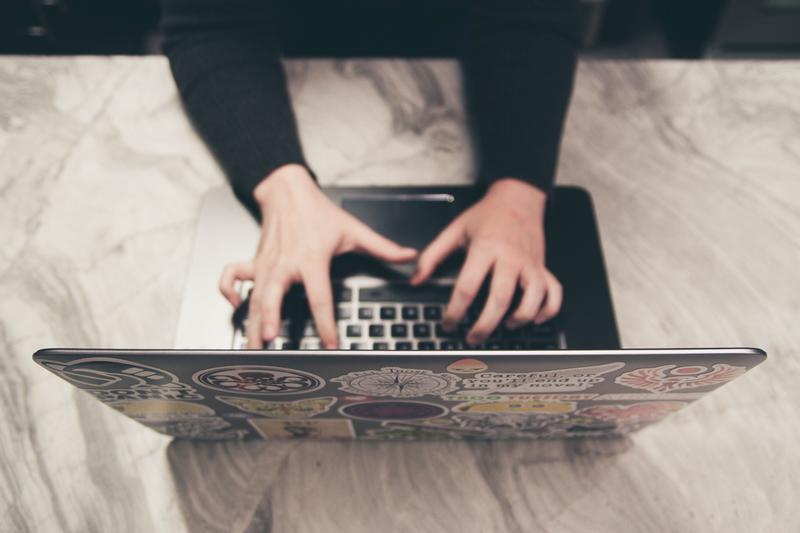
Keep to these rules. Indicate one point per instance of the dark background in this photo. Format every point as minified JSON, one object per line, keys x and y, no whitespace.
{"x":418,"y":28}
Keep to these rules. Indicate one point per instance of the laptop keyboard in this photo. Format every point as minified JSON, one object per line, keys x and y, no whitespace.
{"x":394,"y":316}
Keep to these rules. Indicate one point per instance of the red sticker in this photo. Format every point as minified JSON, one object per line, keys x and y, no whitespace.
{"x":635,"y":413}
{"x":671,"y":378}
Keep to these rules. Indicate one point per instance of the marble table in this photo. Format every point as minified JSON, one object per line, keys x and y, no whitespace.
{"x":695,"y":171}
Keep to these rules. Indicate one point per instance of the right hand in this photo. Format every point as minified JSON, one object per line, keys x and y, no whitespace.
{"x":301,"y":231}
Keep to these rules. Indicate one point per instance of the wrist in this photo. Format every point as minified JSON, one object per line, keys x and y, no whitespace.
{"x":284,"y":178}
{"x":514,"y":191}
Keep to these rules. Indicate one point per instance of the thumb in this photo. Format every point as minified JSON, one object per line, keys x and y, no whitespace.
{"x":368,"y":241}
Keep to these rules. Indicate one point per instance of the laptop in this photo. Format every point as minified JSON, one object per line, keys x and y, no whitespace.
{"x":397,"y":375}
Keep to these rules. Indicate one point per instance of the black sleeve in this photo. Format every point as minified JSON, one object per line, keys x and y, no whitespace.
{"x":519,"y":68}
{"x":226,"y":63}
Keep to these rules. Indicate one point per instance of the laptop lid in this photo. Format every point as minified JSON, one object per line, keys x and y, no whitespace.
{"x":393,"y":395}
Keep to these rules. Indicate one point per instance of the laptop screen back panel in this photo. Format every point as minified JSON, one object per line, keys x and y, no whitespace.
{"x":399,"y":395}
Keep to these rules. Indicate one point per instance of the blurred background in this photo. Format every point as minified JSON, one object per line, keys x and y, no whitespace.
{"x":419,"y":28}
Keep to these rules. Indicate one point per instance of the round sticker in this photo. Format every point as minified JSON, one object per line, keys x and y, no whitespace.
{"x":393,"y":410}
{"x":259,"y":379}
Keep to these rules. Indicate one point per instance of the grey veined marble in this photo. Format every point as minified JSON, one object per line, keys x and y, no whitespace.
{"x":695,"y":172}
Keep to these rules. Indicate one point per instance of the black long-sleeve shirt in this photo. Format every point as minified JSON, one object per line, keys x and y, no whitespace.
{"x":519,"y":63}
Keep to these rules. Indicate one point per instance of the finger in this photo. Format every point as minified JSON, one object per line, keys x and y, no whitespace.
{"x":230,"y":275}
{"x":552,"y":304}
{"x":366,"y":240}
{"x":501,"y":291}
{"x":535,"y":289}
{"x":320,"y":298}
{"x":451,"y":238}
{"x":271,"y":301}
{"x":467,"y":285}
{"x":253,"y":326}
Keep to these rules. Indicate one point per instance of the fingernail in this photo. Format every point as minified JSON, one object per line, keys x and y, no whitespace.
{"x":269,"y":332}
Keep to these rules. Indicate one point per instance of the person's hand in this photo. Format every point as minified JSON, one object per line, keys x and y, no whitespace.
{"x":504,"y":233}
{"x":301,"y":231}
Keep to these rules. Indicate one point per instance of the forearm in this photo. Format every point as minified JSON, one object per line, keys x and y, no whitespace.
{"x":519,"y":70}
{"x":227,"y":67}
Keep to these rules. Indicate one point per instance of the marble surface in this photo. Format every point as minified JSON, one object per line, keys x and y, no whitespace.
{"x":695,"y":172}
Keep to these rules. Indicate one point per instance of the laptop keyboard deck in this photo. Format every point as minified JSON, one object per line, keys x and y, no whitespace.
{"x":379,"y":315}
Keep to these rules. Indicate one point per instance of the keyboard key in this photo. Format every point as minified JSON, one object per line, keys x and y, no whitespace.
{"x":449,"y":345}
{"x":290,"y":345}
{"x":422,"y":330}
{"x":365,"y":313}
{"x":426,"y":345}
{"x":353,"y":330}
{"x":380,"y":346}
{"x":432,"y":312}
{"x":399,"y":330}
{"x":539,"y":345}
{"x":342,"y":294}
{"x":343,"y":312}
{"x":396,"y":292}
{"x":494,"y":345}
{"x":410,"y":312}
{"x":310,"y":344}
{"x":403,"y":345}
{"x":376,"y":330}
{"x":359,"y":346}
{"x":388,"y":313}
{"x":544,"y":329}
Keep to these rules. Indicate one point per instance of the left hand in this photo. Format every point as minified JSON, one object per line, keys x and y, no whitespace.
{"x":504,"y":233}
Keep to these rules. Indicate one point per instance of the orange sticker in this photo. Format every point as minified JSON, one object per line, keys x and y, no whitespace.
{"x":467,"y":366}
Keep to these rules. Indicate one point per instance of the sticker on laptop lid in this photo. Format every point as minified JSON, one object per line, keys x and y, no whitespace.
{"x":303,"y":408}
{"x":668,"y":378}
{"x":631,"y":414}
{"x":582,"y":426}
{"x":557,"y":380}
{"x":115,"y":380}
{"x":515,"y":406}
{"x":393,"y":410}
{"x":467,"y":366}
{"x":507,"y":425}
{"x":479,"y":396}
{"x":206,"y":428}
{"x":635,"y":396}
{"x":314,"y":428}
{"x":162,"y":410}
{"x":410,"y":431}
{"x":260,"y":380}
{"x":397,"y":382}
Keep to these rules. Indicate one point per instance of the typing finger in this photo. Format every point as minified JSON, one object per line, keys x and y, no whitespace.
{"x":534,"y":290}
{"x":230,"y":275}
{"x":501,"y":291}
{"x":320,"y":298}
{"x":467,"y":285}
{"x":552,"y":304}
{"x":451,"y":238}
{"x":368,"y":241}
